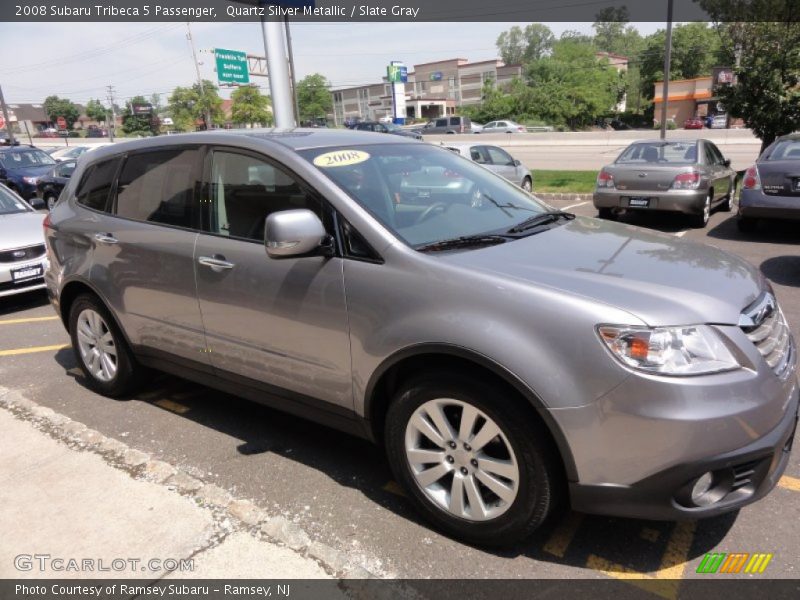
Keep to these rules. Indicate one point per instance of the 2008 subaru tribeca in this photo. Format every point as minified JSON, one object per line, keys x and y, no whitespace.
{"x":510,"y":357}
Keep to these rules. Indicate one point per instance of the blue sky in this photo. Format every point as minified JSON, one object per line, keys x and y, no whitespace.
{"x":78,"y":60}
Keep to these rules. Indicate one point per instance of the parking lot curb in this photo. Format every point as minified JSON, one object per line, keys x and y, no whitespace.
{"x":562,"y":197}
{"x":231,"y":514}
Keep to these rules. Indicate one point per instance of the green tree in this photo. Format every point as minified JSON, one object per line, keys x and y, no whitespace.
{"x":695,"y":51}
{"x":96,"y":111}
{"x":250,"y":106}
{"x":615,"y":35}
{"x":314,"y":97}
{"x":517,"y":46}
{"x":133,"y":124}
{"x":187,"y":105}
{"x":61,"y":107}
{"x":572,"y":87}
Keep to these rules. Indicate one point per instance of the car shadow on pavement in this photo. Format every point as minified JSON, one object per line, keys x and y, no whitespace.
{"x":660,"y":221}
{"x":783,"y":270}
{"x":767,"y":232}
{"x":28,"y":300}
{"x":571,"y":539}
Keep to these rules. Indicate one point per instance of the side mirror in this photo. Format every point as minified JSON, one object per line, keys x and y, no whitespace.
{"x":727,"y":162}
{"x":293,"y":233}
{"x":517,"y":162}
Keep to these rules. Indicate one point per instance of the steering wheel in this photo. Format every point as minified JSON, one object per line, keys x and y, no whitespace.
{"x":425,"y":214}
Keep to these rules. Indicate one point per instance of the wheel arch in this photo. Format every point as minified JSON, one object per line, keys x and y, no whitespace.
{"x":408,"y":361}
{"x":74,"y":288}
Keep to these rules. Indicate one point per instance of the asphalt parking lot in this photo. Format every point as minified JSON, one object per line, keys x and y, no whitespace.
{"x":339,"y":489}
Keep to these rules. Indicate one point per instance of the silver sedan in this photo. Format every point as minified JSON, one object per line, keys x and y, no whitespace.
{"x":22,"y":250}
{"x":686,"y":176}
{"x":497,"y":160}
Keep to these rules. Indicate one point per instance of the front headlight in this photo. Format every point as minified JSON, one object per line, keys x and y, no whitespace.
{"x":30,"y":180}
{"x":690,"y":350}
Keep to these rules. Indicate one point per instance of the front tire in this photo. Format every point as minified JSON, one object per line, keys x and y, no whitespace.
{"x":476,"y":464}
{"x":50,"y":201}
{"x":527,"y":185}
{"x":102,"y":352}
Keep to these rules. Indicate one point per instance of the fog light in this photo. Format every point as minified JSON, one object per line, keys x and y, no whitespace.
{"x":701,"y":487}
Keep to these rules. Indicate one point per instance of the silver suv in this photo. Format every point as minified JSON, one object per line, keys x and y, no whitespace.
{"x":510,"y":358}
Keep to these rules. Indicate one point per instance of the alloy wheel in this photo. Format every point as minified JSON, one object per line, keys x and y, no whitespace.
{"x":461,"y":459}
{"x":96,"y":345}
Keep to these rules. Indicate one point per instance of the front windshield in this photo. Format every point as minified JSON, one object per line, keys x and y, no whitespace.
{"x":25,"y":158}
{"x":785,"y":150}
{"x":425,"y":194}
{"x":10,"y":203}
{"x":664,"y":153}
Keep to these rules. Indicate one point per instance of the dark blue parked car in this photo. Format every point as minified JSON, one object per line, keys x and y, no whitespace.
{"x":21,"y":167}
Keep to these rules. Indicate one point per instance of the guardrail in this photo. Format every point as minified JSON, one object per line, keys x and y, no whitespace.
{"x":540,"y":129}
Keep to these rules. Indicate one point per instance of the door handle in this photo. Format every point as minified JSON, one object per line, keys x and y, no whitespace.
{"x":106,"y":238}
{"x":216,"y":262}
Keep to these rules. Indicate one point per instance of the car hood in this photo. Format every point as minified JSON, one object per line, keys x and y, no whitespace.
{"x":658,"y":278}
{"x":406,"y":133}
{"x":21,"y":229}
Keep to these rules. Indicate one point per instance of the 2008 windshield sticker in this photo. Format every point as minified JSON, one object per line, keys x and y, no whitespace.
{"x":341,"y":158}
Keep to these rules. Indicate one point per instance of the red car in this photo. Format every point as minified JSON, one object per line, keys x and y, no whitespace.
{"x":693,"y":123}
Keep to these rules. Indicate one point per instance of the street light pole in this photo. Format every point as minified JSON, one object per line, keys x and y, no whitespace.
{"x":667,"y":66}
{"x":9,"y":128}
{"x":291,"y":70}
{"x":199,"y":78}
{"x":278,"y":69}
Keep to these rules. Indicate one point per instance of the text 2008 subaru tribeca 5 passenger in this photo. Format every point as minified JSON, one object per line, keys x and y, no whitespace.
{"x":511,"y":358}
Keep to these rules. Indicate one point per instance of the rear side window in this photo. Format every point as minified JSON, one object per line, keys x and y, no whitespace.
{"x":96,"y":184}
{"x":158,"y":187}
{"x":455,"y":120}
{"x":441,"y":123}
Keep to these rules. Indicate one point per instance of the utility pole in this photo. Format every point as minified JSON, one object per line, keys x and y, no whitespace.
{"x":9,"y":128}
{"x":113,"y":123}
{"x":667,"y":65}
{"x":278,"y":69}
{"x":291,"y":70}
{"x":207,"y":117}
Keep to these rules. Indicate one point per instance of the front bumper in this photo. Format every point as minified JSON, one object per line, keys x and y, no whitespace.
{"x":758,"y":205}
{"x":741,"y":477}
{"x":688,"y":202}
{"x":10,"y":288}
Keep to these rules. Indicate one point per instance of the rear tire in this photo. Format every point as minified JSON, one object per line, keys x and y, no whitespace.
{"x":527,"y":185}
{"x":607,"y":214}
{"x":520,"y":456}
{"x":100,"y":348}
{"x":700,"y":221}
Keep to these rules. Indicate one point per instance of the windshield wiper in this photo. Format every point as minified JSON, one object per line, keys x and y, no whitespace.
{"x":544,"y":218}
{"x":464,"y":241}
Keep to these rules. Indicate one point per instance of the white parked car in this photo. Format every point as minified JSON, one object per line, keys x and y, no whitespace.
{"x":503,"y":127}
{"x":22,"y":250}
{"x":497,"y":160}
{"x":63,"y":153}
{"x":476,"y":127}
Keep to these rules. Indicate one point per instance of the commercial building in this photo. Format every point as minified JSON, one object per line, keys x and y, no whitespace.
{"x":693,"y":97}
{"x":433,"y":89}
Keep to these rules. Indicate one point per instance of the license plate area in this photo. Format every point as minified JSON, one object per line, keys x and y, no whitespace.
{"x":26,"y":273}
{"x":639,"y":202}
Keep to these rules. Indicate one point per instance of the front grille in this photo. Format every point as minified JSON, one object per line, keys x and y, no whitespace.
{"x":21,"y":254}
{"x":743,"y":474}
{"x":764,"y":324}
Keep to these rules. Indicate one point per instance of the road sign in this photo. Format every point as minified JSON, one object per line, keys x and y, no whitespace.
{"x":231,"y":66}
{"x":62,"y":122}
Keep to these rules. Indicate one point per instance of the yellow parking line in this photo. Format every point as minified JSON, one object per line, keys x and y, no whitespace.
{"x":561,"y":538}
{"x":394,"y":488}
{"x":790,"y":483}
{"x":30,"y":320}
{"x":172,"y":406}
{"x":32,"y":350}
